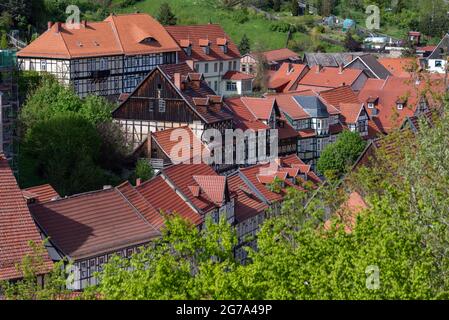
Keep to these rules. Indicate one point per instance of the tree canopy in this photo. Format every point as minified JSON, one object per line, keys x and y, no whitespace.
{"x":339,"y":156}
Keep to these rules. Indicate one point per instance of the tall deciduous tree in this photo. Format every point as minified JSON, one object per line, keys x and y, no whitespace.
{"x":338,"y":156}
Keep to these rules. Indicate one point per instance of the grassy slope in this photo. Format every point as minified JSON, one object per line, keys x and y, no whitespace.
{"x":256,"y":28}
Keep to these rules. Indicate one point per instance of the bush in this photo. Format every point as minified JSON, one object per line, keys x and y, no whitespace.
{"x":280,"y":27}
{"x":240,"y":16}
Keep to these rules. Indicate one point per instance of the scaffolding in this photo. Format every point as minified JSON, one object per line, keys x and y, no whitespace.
{"x":9,"y":103}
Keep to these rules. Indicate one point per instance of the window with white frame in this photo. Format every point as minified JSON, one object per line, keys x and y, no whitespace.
{"x":161,"y":105}
{"x":231,"y":86}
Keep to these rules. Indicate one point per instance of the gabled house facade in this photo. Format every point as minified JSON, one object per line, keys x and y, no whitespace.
{"x":214,"y":55}
{"x":170,"y":97}
{"x":437,"y":60}
{"x":103,"y":58}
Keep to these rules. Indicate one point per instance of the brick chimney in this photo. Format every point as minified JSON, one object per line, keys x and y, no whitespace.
{"x":50,"y":24}
{"x":318,"y":67}
{"x":58,"y":27}
{"x":84,"y":24}
{"x":340,"y":69}
{"x":138,"y":182}
{"x":177,"y":80}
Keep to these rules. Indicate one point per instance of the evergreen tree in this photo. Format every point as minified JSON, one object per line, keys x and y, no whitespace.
{"x":277,"y":5}
{"x":244,"y":45}
{"x":166,"y":16}
{"x":295,"y":8}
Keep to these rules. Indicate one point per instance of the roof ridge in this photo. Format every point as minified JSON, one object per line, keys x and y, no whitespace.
{"x":115,"y":31}
{"x":137,"y":211}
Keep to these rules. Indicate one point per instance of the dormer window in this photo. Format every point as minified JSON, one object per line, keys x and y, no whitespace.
{"x":371,"y":102}
{"x":147,"y":40}
{"x":205,"y":44}
{"x":223,"y":44}
{"x":400,"y":103}
{"x":188,"y":51}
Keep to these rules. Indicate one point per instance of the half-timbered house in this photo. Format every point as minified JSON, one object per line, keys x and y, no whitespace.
{"x":172,"y":96}
{"x":104,"y":58}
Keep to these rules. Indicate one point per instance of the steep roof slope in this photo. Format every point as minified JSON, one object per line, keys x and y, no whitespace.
{"x":17,"y":227}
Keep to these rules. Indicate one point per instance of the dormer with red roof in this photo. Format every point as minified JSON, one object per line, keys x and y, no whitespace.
{"x":212,"y":52}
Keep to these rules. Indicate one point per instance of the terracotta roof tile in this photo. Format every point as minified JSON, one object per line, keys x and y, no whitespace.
{"x":286,"y":78}
{"x":330,"y":77}
{"x":247,"y":205}
{"x":17,"y":227}
{"x":214,"y":187}
{"x":203,"y":34}
{"x":163,"y":139}
{"x":116,"y":35}
{"x":280,"y":54}
{"x":237,"y":75}
{"x":42,"y":193}
{"x":89,"y":224}
{"x":165,"y":200}
{"x":182,"y":177}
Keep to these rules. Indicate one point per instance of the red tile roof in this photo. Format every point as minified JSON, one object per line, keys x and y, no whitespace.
{"x":163,"y":139}
{"x":251,"y":174}
{"x":213,"y":186}
{"x":286,"y":78}
{"x":116,"y":35}
{"x":42,"y":193}
{"x":143,"y":206}
{"x":391,"y":90}
{"x":330,"y":77}
{"x":247,"y":205}
{"x":181,"y":176}
{"x":17,"y":227}
{"x":203,"y":33}
{"x":350,"y":112}
{"x":398,"y":67}
{"x":243,"y":118}
{"x":237,"y":75}
{"x":339,"y":95}
{"x":280,"y":55}
{"x":165,"y":200}
{"x":349,"y":211}
{"x":93,"y":223}
{"x":260,"y":108}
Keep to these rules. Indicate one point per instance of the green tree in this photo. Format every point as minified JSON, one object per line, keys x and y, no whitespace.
{"x":65,"y":151}
{"x":3,"y":41}
{"x":185,"y":263}
{"x":244,"y":45}
{"x":339,"y":156}
{"x":30,"y":268}
{"x":165,"y":15}
{"x":295,"y":7}
{"x":143,"y":171}
{"x":277,"y":5}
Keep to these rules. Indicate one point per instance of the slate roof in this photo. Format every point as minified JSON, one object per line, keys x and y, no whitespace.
{"x":314,"y":107}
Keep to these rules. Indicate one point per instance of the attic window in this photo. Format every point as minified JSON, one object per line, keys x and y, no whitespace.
{"x":148,"y":40}
{"x":206,"y":49}
{"x":400,"y":105}
{"x":188,"y":50}
{"x":224,"y":48}
{"x":371,"y":105}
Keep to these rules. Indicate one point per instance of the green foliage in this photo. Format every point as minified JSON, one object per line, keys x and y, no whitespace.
{"x":48,"y":109}
{"x":244,"y":45}
{"x":30,"y":268}
{"x":339,"y":156}
{"x":185,"y":263}
{"x":143,"y":171}
{"x":240,"y":16}
{"x":65,"y":149}
{"x":166,"y":16}
{"x":295,"y":7}
{"x":276,"y":185}
{"x":3,"y":41}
